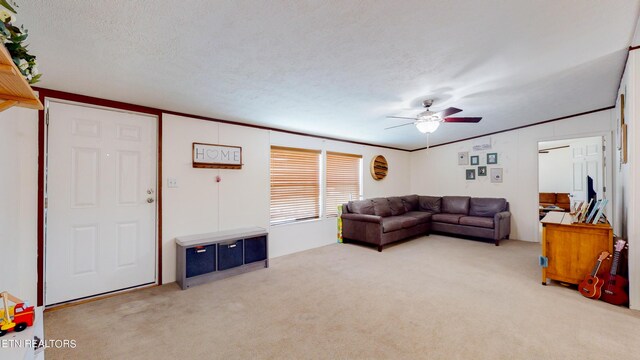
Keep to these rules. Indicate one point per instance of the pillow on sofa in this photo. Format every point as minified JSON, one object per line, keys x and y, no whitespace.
{"x":411,"y":202}
{"x":396,"y":205}
{"x":430,"y":203}
{"x":455,"y":204}
{"x":364,"y":207}
{"x":486,"y":207}
{"x":381,"y":207}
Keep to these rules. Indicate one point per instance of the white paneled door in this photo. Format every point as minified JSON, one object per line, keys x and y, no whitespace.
{"x":101,"y":192}
{"x":588,"y":160}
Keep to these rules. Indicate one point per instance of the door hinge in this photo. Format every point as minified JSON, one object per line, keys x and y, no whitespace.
{"x":604,"y":189}
{"x":46,"y":203}
{"x":46,"y":117}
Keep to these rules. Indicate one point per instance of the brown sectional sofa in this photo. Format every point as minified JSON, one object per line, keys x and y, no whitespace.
{"x":381,"y":221}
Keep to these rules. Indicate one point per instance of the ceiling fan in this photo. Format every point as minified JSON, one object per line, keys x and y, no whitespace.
{"x":428,"y":121}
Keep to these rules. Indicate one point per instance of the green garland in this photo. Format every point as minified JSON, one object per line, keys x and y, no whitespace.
{"x":13,"y":38}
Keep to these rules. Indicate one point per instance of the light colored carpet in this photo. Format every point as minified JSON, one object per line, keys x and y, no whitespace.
{"x":430,"y":298}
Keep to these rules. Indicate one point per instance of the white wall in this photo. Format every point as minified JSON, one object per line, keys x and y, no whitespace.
{"x":554,"y":172}
{"x":18,"y":202}
{"x":436,"y":171}
{"x":193,"y":206}
{"x":627,"y":182}
{"x":241,"y":199}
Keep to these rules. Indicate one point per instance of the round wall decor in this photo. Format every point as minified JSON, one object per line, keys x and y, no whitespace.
{"x":379,"y":167}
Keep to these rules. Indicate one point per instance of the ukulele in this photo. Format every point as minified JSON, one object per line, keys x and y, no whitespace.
{"x":613,"y":285}
{"x":591,"y":286}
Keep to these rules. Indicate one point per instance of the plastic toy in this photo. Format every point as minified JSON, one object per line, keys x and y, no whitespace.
{"x":16,"y":317}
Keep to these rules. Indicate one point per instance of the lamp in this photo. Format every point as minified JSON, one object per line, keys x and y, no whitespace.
{"x":427,"y":126}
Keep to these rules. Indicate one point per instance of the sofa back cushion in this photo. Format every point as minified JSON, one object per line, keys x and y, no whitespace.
{"x":364,"y":207}
{"x":430,"y":203}
{"x":486,"y":207}
{"x":381,"y":207}
{"x":455,"y":204}
{"x":411,"y":202}
{"x":396,"y":205}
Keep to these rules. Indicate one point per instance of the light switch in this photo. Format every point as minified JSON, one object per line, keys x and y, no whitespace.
{"x":172,"y":182}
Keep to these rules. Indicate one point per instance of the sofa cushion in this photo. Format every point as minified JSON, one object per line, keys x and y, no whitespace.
{"x":421,"y":216}
{"x":411,"y":202}
{"x":447,"y":218}
{"x":393,"y":223}
{"x":455,"y":205}
{"x":408,"y":221}
{"x":486,"y":206}
{"x":381,"y":207}
{"x":430,"y":203}
{"x":396,"y":205}
{"x":485,"y":222}
{"x":361,"y":207}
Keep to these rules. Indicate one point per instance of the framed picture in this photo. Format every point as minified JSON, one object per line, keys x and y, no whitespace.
{"x":463,"y":158}
{"x":492,"y":158}
{"x":496,"y":175}
{"x":215,"y":156}
{"x":475,"y":160}
{"x":471,"y":174}
{"x":482,"y":171}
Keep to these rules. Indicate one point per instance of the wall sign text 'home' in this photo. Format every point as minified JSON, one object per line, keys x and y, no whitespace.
{"x":215,"y":156}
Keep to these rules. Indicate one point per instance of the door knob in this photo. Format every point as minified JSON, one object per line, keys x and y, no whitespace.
{"x":150,"y":200}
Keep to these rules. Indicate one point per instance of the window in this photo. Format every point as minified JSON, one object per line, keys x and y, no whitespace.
{"x":295,"y":184}
{"x":343,"y":180}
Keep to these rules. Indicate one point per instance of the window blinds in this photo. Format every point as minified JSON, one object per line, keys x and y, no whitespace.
{"x":343,"y":180}
{"x":295,"y":184}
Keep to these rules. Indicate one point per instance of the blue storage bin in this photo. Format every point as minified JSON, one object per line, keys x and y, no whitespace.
{"x":255,"y":249}
{"x":230,"y":254}
{"x":201,"y":260}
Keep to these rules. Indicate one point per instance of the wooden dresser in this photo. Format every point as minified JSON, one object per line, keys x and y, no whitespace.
{"x":569,"y":251}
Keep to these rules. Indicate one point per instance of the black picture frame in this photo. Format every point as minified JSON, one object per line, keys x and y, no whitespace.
{"x":482,"y":171}
{"x":471,"y":174}
{"x":475,"y":160}
{"x":492,"y":158}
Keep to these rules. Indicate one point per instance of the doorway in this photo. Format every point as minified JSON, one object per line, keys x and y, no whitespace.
{"x":100,"y":192}
{"x":570,"y":171}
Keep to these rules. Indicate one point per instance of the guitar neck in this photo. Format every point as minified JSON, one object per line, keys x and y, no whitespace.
{"x":596,"y":268}
{"x":614,"y":264}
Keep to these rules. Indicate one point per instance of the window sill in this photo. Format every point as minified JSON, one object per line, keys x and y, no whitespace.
{"x":327,"y":217}
{"x":297,"y":222}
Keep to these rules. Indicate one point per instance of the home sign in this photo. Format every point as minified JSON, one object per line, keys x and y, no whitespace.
{"x":213,"y":156}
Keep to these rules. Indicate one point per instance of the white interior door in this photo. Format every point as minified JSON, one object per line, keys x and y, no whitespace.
{"x":101,"y":190}
{"x":588,"y":160}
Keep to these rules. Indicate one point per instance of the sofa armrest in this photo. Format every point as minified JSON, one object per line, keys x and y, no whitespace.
{"x":362,"y":217}
{"x":502,"y":225}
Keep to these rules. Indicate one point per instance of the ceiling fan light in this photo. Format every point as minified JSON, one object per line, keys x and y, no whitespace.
{"x":427,"y":126}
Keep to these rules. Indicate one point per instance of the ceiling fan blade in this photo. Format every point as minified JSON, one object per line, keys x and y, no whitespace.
{"x":401,"y":117}
{"x":462,"y":119}
{"x":448,"y":112}
{"x":398,"y":126}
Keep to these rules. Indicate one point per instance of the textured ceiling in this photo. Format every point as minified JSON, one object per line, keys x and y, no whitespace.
{"x":337,"y":68}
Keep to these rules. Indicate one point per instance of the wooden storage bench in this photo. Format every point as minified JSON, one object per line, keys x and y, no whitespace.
{"x":206,"y":257}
